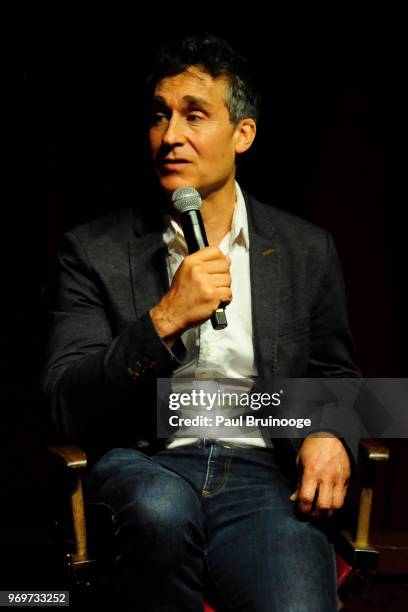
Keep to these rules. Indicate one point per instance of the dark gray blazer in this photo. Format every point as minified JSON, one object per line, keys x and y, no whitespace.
{"x":104,"y":353}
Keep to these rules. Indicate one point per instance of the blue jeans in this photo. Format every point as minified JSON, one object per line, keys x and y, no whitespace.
{"x":215,"y":520}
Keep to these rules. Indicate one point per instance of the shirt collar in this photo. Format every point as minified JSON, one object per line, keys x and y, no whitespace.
{"x":173,"y":236}
{"x":239,"y":223}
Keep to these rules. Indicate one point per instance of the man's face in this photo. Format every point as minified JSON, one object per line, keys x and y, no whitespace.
{"x":192,"y":139}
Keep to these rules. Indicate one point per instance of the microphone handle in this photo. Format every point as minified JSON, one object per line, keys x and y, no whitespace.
{"x":194,"y":230}
{"x":196,"y":239}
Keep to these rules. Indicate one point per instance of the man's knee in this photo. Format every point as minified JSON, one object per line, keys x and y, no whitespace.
{"x":155,"y":512}
{"x":161,"y":518}
{"x":161,"y":506}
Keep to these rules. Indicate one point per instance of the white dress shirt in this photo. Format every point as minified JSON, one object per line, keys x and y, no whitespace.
{"x":228,"y":353}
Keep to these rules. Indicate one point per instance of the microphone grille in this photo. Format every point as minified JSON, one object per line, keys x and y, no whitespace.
{"x":185,"y":199}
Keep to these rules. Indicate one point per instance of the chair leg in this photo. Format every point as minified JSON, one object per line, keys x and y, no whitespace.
{"x":78,"y":519}
{"x":364,"y":515}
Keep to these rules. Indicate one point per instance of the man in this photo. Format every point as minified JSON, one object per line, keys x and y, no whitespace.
{"x":132,"y":306}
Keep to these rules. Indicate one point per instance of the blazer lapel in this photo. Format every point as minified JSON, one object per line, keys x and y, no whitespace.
{"x":147,"y":267}
{"x":265,"y":280}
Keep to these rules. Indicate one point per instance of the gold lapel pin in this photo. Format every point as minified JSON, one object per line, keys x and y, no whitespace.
{"x":267,"y":251}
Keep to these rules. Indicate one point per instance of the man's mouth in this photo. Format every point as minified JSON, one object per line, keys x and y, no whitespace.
{"x":173,"y":163}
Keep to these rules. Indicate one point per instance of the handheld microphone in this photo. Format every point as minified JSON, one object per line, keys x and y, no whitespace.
{"x":187,"y":201}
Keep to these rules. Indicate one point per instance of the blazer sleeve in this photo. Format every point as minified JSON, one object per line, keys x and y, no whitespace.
{"x":92,"y":380}
{"x":332,"y":353}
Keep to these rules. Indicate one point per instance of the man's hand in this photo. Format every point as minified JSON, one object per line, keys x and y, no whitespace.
{"x":325,"y":470}
{"x":200,"y":284}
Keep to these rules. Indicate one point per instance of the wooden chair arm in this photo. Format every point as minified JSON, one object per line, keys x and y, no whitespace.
{"x":374,"y":450}
{"x":371,"y":452}
{"x":75,"y":459}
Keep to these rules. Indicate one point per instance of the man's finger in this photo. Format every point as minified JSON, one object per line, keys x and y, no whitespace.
{"x":221,"y":280}
{"x":325,"y":497}
{"x":216,"y":266}
{"x":339,"y":494}
{"x":306,"y":495}
{"x":209,"y":253}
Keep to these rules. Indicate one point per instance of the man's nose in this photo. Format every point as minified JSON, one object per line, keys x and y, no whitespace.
{"x":174,"y":133}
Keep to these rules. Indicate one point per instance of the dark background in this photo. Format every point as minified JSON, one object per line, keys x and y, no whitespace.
{"x":75,"y":148}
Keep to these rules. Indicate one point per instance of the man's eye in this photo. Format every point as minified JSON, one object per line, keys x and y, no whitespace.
{"x":158,"y":118}
{"x":193,"y":117}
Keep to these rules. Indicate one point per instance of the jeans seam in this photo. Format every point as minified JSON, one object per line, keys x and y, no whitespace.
{"x":113,"y":513}
{"x":208,"y":471}
{"x":224,"y":479}
{"x":93,"y":503}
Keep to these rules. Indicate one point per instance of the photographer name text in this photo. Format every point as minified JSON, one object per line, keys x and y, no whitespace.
{"x":243,"y":420}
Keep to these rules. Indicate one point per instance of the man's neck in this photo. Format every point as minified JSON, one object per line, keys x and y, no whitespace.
{"x":217,"y":211}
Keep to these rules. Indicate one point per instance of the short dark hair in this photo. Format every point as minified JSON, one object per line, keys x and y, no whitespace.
{"x":218,"y":59}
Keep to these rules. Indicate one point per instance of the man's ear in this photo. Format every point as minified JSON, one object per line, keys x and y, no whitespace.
{"x":244,"y":135}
